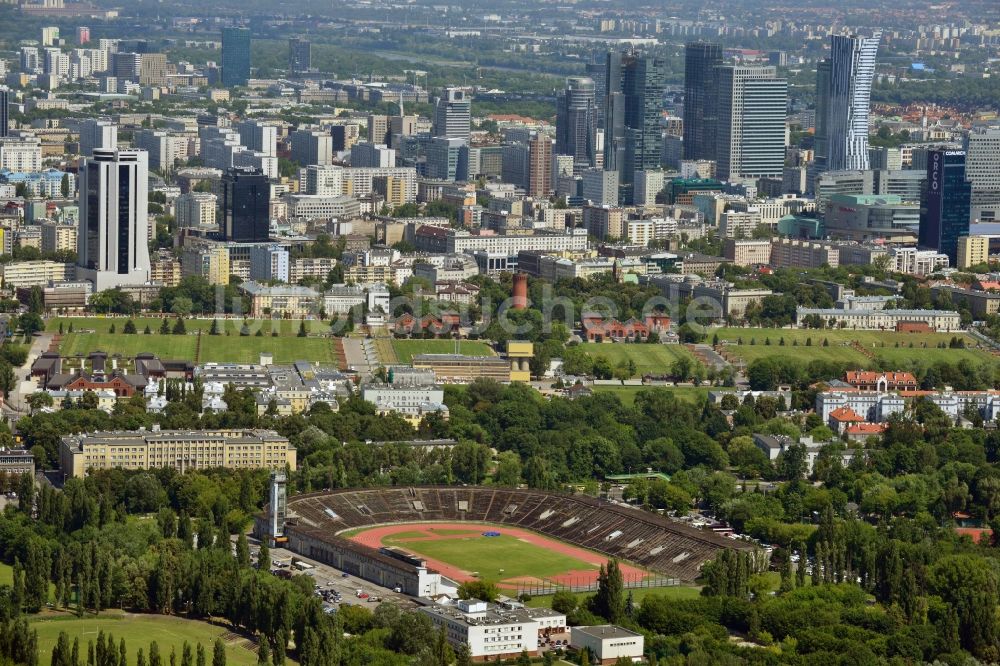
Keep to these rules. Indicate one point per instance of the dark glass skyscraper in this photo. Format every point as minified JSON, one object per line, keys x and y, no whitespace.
{"x":643,"y":84}
{"x":700,"y":60}
{"x":4,"y":119}
{"x":633,"y":138}
{"x":235,"y":56}
{"x":246,"y":199}
{"x":576,"y":121}
{"x":946,"y":202}
{"x":299,"y":55}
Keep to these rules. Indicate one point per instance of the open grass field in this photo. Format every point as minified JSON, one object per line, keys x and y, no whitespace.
{"x":626,"y":394}
{"x":138,"y":631}
{"x":678,"y":592}
{"x":461,"y":552}
{"x":6,"y":574}
{"x":406,"y":349}
{"x":841,"y":348}
{"x":649,"y":359}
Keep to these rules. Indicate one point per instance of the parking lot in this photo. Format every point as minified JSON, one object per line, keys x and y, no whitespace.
{"x":335,"y":587}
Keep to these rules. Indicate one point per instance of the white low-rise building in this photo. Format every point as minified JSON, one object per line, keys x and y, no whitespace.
{"x":492,"y":631}
{"x":608,"y":643}
{"x":882,"y":320}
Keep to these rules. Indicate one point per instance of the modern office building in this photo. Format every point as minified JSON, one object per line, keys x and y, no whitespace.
{"x":982,"y":168}
{"x":453,"y":115}
{"x":442,"y":155}
{"x":750,"y":107}
{"x":322,"y":179}
{"x":113,"y":237}
{"x":643,"y":84}
{"x":312,"y":147}
{"x":97,"y":134}
{"x":374,"y":155}
{"x":178,"y":449}
{"x":269,"y":263}
{"x":700,"y":61}
{"x":4,"y":112}
{"x":259,"y":137}
{"x":871,"y":217}
{"x":633,"y":135}
{"x":576,"y":122}
{"x":843,"y":95}
{"x":946,"y":203}
{"x":235,"y":56}
{"x":299,"y":55}
{"x":246,"y":198}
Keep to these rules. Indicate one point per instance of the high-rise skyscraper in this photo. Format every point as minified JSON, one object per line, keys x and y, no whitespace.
{"x":312,"y":147}
{"x":453,"y":115}
{"x":4,"y":112}
{"x":539,"y":166}
{"x":235,"y":56}
{"x":700,"y":61}
{"x":259,"y":137}
{"x":945,"y":202}
{"x":633,"y":139}
{"x":113,"y":237}
{"x":982,"y":167}
{"x":843,"y":95}
{"x":576,"y":121}
{"x":246,"y":203}
{"x":299,"y":55}
{"x":643,"y":84}
{"x":750,"y":107}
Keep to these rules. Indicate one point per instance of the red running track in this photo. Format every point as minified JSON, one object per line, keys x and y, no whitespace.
{"x":374,"y":538}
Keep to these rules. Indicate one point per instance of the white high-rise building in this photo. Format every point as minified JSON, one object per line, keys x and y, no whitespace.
{"x":843,"y":95}
{"x":21,"y":153}
{"x":259,"y":137}
{"x":453,"y":115}
{"x":322,"y":179}
{"x":112,"y":243}
{"x":751,"y":107}
{"x":982,"y":167}
{"x":97,"y":134}
{"x":196,"y":209}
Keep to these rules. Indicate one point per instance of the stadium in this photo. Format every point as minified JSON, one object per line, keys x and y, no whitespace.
{"x":416,"y":538}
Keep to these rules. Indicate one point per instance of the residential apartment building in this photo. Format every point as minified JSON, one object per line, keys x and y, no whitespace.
{"x":795,"y":253}
{"x":36,"y":273}
{"x":744,"y":252}
{"x":182,"y":450}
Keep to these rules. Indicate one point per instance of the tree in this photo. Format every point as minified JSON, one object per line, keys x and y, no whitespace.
{"x":263,"y":652}
{"x":479,"y":589}
{"x":242,"y":550}
{"x":609,"y":602}
{"x":214,"y":330}
{"x":129,"y":328}
{"x":179,"y":328}
{"x":264,"y":558}
{"x":218,"y":653}
{"x":508,"y":472}
{"x":8,"y":379}
{"x":164,"y":327}
{"x":302,"y":329}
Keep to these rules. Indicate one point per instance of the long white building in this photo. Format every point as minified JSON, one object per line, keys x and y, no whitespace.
{"x":491,"y":631}
{"x":882,"y":320}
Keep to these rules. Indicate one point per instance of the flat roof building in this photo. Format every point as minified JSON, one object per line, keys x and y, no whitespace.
{"x":178,"y":449}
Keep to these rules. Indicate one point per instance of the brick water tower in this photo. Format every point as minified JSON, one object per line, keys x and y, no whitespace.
{"x":520,"y":295}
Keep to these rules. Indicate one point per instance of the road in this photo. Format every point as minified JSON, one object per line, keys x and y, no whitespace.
{"x":16,"y":404}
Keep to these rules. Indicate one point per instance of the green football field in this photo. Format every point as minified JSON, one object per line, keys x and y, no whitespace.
{"x":649,"y":358}
{"x":488,"y":555}
{"x":881,"y":344}
{"x":406,"y":349}
{"x":138,"y":631}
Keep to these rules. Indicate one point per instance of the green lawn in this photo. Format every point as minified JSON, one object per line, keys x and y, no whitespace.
{"x":627,"y":394}
{"x":840,"y":347}
{"x":6,"y":574}
{"x":220,"y":348}
{"x":678,"y":592}
{"x":406,"y":349}
{"x":487,"y":555}
{"x":138,"y":631}
{"x":649,"y":359}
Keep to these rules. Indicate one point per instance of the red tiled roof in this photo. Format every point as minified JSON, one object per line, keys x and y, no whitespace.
{"x":845,"y":414}
{"x":978,"y":534}
{"x":866,"y":429}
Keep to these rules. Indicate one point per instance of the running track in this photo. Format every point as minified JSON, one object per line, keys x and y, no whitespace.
{"x":374,"y":538}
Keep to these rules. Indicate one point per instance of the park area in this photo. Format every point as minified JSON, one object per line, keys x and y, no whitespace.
{"x":94,"y":333}
{"x":513,"y":557}
{"x":138,"y":630}
{"x":864,"y":348}
{"x":407,"y":349}
{"x":649,"y":359}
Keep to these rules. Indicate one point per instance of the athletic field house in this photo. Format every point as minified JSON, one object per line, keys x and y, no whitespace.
{"x":426,"y":540}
